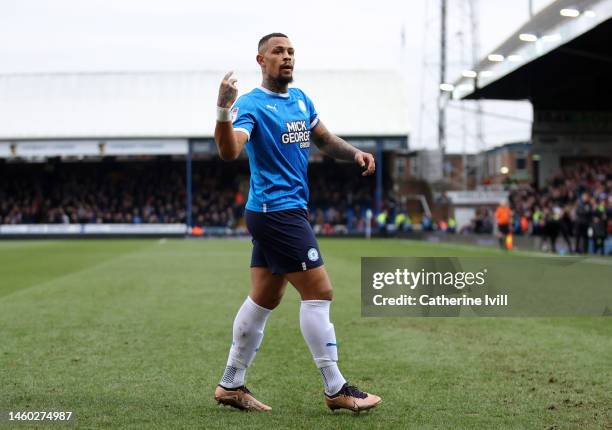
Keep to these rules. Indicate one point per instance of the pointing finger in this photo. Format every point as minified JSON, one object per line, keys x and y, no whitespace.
{"x":227,"y":75}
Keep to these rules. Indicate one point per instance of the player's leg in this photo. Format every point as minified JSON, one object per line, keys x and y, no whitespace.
{"x":266,"y":293}
{"x":250,"y":322}
{"x":267,"y":289}
{"x":315,"y":290}
{"x":501,"y":235}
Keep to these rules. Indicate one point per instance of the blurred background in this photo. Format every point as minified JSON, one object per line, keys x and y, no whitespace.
{"x":107,"y":114}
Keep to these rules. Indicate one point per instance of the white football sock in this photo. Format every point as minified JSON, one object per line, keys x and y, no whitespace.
{"x":332,"y":378}
{"x":320,"y":336}
{"x":248,"y":333}
{"x":233,"y":377}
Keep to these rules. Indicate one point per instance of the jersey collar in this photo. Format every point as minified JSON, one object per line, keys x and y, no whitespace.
{"x":272,"y":93}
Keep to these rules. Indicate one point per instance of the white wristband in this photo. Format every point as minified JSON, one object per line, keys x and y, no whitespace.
{"x":223,"y":114}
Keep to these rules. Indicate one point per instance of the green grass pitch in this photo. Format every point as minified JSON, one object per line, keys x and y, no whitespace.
{"x":135,"y":333}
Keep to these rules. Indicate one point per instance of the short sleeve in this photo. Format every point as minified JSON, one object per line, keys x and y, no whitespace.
{"x":242,"y":116}
{"x":312,"y":112}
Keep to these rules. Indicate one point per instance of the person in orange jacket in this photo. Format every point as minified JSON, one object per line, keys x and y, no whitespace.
{"x":503,"y":216}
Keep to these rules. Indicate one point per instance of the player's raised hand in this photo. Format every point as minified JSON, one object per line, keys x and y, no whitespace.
{"x":227,"y":91}
{"x":366,"y":161}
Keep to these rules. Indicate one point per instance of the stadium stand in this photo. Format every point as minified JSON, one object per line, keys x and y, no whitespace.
{"x":89,"y":150}
{"x":560,"y":62}
{"x":575,"y":205}
{"x":153,"y":191}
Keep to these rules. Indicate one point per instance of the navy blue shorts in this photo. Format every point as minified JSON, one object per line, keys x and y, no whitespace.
{"x":283,"y":241}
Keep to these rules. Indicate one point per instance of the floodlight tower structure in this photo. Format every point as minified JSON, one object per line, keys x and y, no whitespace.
{"x":441,"y":95}
{"x":452,"y":33}
{"x":474,"y":57}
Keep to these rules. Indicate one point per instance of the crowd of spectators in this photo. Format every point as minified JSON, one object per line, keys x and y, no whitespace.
{"x":481,"y":223}
{"x":154,"y":191}
{"x":339,"y":198}
{"x":116,"y":192}
{"x":575,"y":205}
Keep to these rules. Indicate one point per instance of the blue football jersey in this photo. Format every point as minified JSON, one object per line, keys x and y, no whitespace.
{"x":278,"y":128}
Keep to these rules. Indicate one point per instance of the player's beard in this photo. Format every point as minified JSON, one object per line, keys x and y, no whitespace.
{"x":283,"y":80}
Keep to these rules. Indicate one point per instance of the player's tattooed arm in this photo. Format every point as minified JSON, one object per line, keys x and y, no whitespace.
{"x":227,"y":91}
{"x":229,"y":142}
{"x":335,"y":147}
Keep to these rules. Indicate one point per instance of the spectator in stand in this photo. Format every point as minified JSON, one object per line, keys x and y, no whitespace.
{"x":599,"y":232}
{"x":538,"y":222}
{"x":427,"y":223}
{"x":381,"y":220}
{"x":584,"y":215}
{"x":552,"y":225}
{"x":523,"y":224}
{"x":481,"y":223}
{"x":403,"y":221}
{"x":565,"y":225}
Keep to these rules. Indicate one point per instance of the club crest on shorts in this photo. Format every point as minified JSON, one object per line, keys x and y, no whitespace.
{"x":313,"y":254}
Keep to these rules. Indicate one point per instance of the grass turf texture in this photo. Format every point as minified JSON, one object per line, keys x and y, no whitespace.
{"x":135,"y":334}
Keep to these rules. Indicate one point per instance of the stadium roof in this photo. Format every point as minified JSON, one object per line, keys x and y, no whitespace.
{"x":559,"y":59}
{"x":181,"y":104}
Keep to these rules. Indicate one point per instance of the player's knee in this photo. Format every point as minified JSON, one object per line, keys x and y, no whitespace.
{"x":269,"y":302}
{"x":274,"y":302}
{"x":317,"y":293}
{"x":325,"y":293}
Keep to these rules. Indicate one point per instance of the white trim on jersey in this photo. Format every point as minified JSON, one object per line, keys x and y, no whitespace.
{"x":267,"y":91}
{"x":245,"y":131}
{"x":314,"y":122}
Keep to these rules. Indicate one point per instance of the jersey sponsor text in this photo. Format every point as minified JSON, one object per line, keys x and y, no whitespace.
{"x":297,"y":132}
